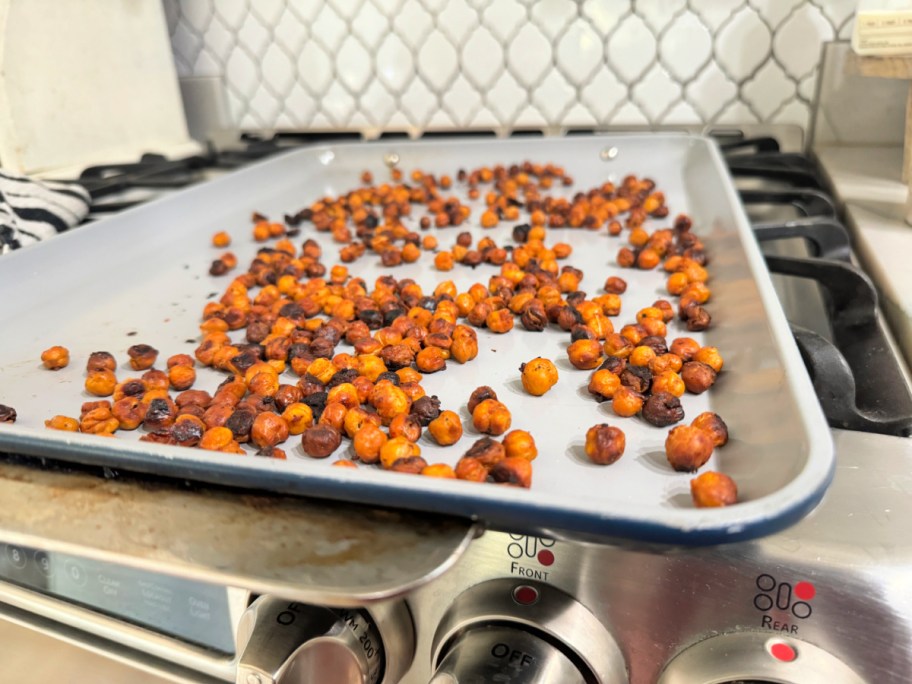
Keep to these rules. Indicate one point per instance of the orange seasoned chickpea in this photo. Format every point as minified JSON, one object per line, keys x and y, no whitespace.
{"x":55,"y":358}
{"x":676,"y":283}
{"x":298,"y":417}
{"x":370,"y":366}
{"x":712,"y":489}
{"x":218,"y":439}
{"x":101,"y":383}
{"x":654,"y":327}
{"x":181,"y":377}
{"x":605,"y":444}
{"x":130,"y":412}
{"x":603,"y":384}
{"x":405,"y":425}
{"x":265,"y":384}
{"x":641,"y":356}
{"x":648,"y":259}
{"x":626,"y":402}
{"x":430,"y":360}
{"x":585,"y":354}
{"x":367,"y":443}
{"x":446,"y":429}
{"x":443,"y":261}
{"x":333,"y":415}
{"x":668,"y":381}
{"x":665,"y":362}
{"x":64,"y":423}
{"x":500,"y":321}
{"x":520,"y":444}
{"x":491,"y":417}
{"x":356,"y":418}
{"x":471,"y":469}
{"x":618,"y":345}
{"x":685,"y":347}
{"x":465,"y":344}
{"x":269,"y":429}
{"x":538,"y":376}
{"x":687,"y":448}
{"x":322,"y":369}
{"x":344,"y":393}
{"x":389,"y":401}
{"x":221,"y":239}
{"x":142,"y":356}
{"x":713,"y":424}
{"x":710,"y":356}
{"x":396,"y":449}
{"x":438,"y":470}
{"x":344,"y":463}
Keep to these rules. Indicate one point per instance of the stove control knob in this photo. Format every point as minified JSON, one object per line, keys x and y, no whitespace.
{"x":519,"y":633}
{"x":284,"y":642}
{"x":504,"y":654}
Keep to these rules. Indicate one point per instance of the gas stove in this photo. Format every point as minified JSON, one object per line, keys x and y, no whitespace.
{"x":827,"y":600}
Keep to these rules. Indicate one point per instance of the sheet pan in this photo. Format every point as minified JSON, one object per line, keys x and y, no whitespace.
{"x":142,"y":277}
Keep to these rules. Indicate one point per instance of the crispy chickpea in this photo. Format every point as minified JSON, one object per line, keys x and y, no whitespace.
{"x":187,"y":430}
{"x":663,"y":409}
{"x":619,"y":346}
{"x":142,"y":356}
{"x":446,"y":429}
{"x":443,"y":261}
{"x":55,"y":358}
{"x":96,"y":418}
{"x":713,"y":424}
{"x":345,"y":393}
{"x":64,"y":423}
{"x":488,"y":451}
{"x":712,"y":489}
{"x":395,"y":449}
{"x":181,"y":377}
{"x":603,"y":384}
{"x":626,"y":402}
{"x":413,"y":465}
{"x":265,"y":384}
{"x":491,"y":417}
{"x":641,"y":356}
{"x":439,"y":470}
{"x":101,"y":383}
{"x":405,"y":425}
{"x":356,"y":418}
{"x":697,"y":377}
{"x":130,"y":412}
{"x":155,"y":380}
{"x":319,"y":441}
{"x":389,"y":401}
{"x":471,"y":469}
{"x":100,"y":361}
{"x":538,"y":376}
{"x":430,"y":360}
{"x":465,"y":344}
{"x":269,"y":429}
{"x":479,"y":394}
{"x":161,"y":413}
{"x":605,"y":444}
{"x":216,"y":439}
{"x":685,"y":347}
{"x":665,"y":362}
{"x":520,"y":444}
{"x":221,"y":239}
{"x":344,"y":463}
{"x":668,"y":381}
{"x":514,"y":471}
{"x":333,"y":415}
{"x":585,"y":354}
{"x":710,"y":356}
{"x":687,"y":448}
{"x":676,"y":283}
{"x":500,"y":321}
{"x":367,"y":443}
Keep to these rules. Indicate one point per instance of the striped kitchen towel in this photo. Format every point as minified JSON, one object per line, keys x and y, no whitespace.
{"x":31,"y":210}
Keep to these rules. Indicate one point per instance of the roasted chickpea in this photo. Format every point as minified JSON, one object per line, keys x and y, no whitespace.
{"x":101,"y":383}
{"x":619,"y":346}
{"x":55,"y":358}
{"x":96,"y":418}
{"x":426,"y":409}
{"x":710,"y":356}
{"x":665,"y":362}
{"x":405,"y":425}
{"x":142,"y":356}
{"x":487,"y":451}
{"x":218,"y":439}
{"x":430,"y":360}
{"x":333,"y":415}
{"x":64,"y":423}
{"x":538,"y":376}
{"x":161,"y":413}
{"x":269,"y":429}
{"x":605,"y":444}
{"x":685,"y":347}
{"x":100,"y":361}
{"x":367,"y":443}
{"x":670,"y":382}
{"x":514,"y":471}
{"x":603,"y":384}
{"x":500,"y":321}
{"x":491,"y":417}
{"x":641,"y":356}
{"x":446,"y":429}
{"x":130,"y":412}
{"x":413,"y":465}
{"x":626,"y":402}
{"x":520,"y":444}
{"x":187,"y":430}
{"x":615,"y":285}
{"x":479,"y":394}
{"x":439,"y":470}
{"x":697,"y":377}
{"x":395,"y":449}
{"x":319,"y":441}
{"x":344,"y":463}
{"x":713,"y":424}
{"x":687,"y":448}
{"x":181,"y":377}
{"x":471,"y":469}
{"x":465,"y":346}
{"x":585,"y":354}
{"x":389,"y":401}
{"x":712,"y":489}
{"x":663,"y":409}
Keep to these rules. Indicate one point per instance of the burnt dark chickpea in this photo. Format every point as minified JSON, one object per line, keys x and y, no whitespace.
{"x":100,"y":361}
{"x":479,"y":394}
{"x":663,"y":409}
{"x":636,"y":378}
{"x":712,"y":489}
{"x":55,"y":357}
{"x":241,"y":422}
{"x":130,"y":412}
{"x":687,"y":448}
{"x":486,"y":451}
{"x":585,"y":354}
{"x":471,"y":469}
{"x":142,"y":356}
{"x":269,"y":429}
{"x":713,"y":424}
{"x":491,"y":417}
{"x":697,"y":377}
{"x":412,"y":465}
{"x":605,"y":444}
{"x":187,"y":430}
{"x":697,"y":319}
{"x":129,"y":388}
{"x":426,"y":409}
{"x":520,"y":444}
{"x":533,"y":316}
{"x":479,"y":314}
{"x":515,"y":471}
{"x":320,"y":441}
{"x":538,"y":376}
{"x":160,"y":414}
{"x":287,"y":395}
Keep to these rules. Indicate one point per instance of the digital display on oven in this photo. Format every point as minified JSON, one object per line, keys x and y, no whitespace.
{"x":191,"y":611}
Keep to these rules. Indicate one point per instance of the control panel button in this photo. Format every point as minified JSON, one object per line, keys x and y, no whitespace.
{"x":43,"y":563}
{"x":525,"y":595}
{"x":16,"y":556}
{"x":75,"y":572}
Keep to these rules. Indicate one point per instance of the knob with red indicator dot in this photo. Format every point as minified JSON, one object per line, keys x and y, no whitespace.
{"x":525,"y":595}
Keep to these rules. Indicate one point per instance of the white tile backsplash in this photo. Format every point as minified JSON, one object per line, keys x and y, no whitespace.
{"x":374,"y":65}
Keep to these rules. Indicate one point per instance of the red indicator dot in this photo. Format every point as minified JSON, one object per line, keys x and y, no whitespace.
{"x":805,"y":591}
{"x":525,"y":595}
{"x":782,"y":651}
{"x":545,"y":557}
